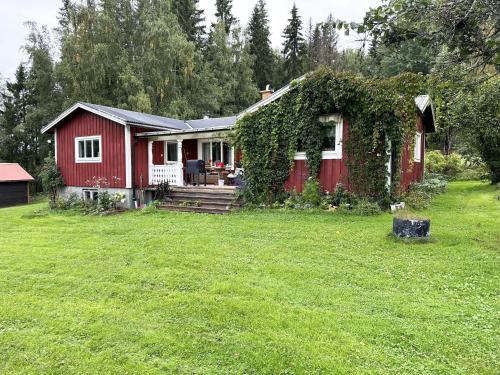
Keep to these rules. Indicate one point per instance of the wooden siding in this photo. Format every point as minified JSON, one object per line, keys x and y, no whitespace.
{"x":81,"y":124}
{"x":158,"y":152}
{"x":412,"y":171}
{"x":12,"y":193}
{"x":332,"y":171}
{"x":140,"y":151}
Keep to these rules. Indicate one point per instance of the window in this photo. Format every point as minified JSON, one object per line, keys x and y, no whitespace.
{"x":88,"y":149}
{"x":329,"y":136}
{"x":417,"y":151}
{"x":212,"y":151}
{"x":171,"y":151}
{"x":331,"y":140}
{"x":90,"y":195}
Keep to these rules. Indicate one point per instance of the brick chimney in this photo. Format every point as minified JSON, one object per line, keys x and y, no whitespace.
{"x":264,"y":94}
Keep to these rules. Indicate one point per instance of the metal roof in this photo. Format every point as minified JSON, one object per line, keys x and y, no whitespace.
{"x":13,"y":172}
{"x":121,"y":116}
{"x":215,"y":122}
{"x":138,"y":118}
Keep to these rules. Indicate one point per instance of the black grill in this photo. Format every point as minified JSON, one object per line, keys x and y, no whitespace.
{"x":194,"y":168}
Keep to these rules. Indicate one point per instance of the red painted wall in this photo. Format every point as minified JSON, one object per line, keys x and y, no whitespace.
{"x":332,"y":171}
{"x":83,"y":123}
{"x":412,"y":171}
{"x":140,"y":152}
{"x":158,"y":152}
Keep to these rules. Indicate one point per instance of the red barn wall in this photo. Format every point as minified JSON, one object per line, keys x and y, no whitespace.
{"x":412,"y":171}
{"x":332,"y":171}
{"x":81,"y":124}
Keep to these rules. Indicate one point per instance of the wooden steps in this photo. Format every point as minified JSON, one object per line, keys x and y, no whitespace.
{"x":213,"y":200}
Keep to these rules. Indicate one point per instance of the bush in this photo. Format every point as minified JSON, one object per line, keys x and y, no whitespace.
{"x":51,"y":179}
{"x":312,"y":192}
{"x":340,"y":196}
{"x":431,"y":186}
{"x":417,"y":200}
{"x":162,"y":192}
{"x":362,"y":207}
{"x":449,"y":165}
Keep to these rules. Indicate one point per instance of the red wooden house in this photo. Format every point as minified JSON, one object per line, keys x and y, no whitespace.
{"x":134,"y":151}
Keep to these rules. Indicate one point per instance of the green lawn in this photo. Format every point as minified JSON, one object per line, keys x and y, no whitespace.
{"x":254,"y":292}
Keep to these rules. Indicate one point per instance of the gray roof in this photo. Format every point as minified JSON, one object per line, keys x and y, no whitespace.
{"x":215,"y":122}
{"x":156,"y":123}
{"x":138,"y":118}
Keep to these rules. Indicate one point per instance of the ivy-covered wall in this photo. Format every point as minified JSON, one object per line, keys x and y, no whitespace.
{"x":379,"y":111}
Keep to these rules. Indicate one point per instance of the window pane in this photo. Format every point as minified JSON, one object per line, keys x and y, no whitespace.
{"x":95,"y":195}
{"x":86,"y":195}
{"x":172,"y":152}
{"x":227,"y":154}
{"x":88,"y":148}
{"x":216,"y":154}
{"x":96,"y":148}
{"x":329,"y":140}
{"x":206,"y":152}
{"x":81,"y":150}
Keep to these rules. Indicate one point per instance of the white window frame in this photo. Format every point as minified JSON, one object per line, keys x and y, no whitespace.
{"x":91,"y":192}
{"x":332,"y":154}
{"x":417,"y":149}
{"x":92,"y":138}
{"x":165,"y":153}
{"x":211,"y":140}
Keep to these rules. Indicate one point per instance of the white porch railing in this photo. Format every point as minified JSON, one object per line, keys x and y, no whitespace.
{"x":172,"y":173}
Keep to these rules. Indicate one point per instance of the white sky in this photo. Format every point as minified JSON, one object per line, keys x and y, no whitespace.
{"x":13,"y":14}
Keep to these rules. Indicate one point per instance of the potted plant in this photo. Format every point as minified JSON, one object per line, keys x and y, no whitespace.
{"x":408,"y":225}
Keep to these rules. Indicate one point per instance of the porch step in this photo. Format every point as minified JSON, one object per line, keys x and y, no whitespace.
{"x":217,"y":200}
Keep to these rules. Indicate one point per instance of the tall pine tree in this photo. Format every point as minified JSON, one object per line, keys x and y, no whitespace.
{"x":294,"y":46}
{"x":190,"y":19}
{"x":259,"y":40}
{"x":223,"y":13}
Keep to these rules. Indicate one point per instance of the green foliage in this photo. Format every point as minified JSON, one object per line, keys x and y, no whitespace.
{"x":51,"y":179}
{"x":420,"y":194}
{"x":223,"y":13}
{"x":448,"y":165}
{"x":378,"y":110}
{"x":162,"y":192}
{"x":190,"y":19}
{"x":312,"y":192}
{"x":479,"y":114}
{"x":294,"y":46}
{"x":259,"y":41}
{"x":362,"y":207}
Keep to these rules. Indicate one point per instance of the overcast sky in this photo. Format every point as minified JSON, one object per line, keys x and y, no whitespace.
{"x":13,"y":14}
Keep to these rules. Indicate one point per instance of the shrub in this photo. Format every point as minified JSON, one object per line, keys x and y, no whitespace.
{"x":450,"y":165}
{"x":312,"y":192}
{"x":417,"y":200}
{"x":51,"y":179}
{"x":162,"y":192}
{"x":362,"y":207}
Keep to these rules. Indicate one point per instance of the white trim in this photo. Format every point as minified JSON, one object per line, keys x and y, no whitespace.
{"x":150,"y":162}
{"x":128,"y":158}
{"x":218,"y":140}
{"x":417,"y":149}
{"x":278,"y":94}
{"x":389,"y":164}
{"x":91,"y":159}
{"x":329,"y":155}
{"x":76,"y":106}
{"x":55,"y":145}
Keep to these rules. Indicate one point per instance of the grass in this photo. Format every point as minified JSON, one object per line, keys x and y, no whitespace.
{"x":254,"y":292}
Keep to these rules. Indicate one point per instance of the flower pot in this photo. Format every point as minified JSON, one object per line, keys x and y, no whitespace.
{"x":221,"y":182}
{"x":411,"y":228}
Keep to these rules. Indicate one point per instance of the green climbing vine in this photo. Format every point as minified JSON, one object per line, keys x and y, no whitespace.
{"x":378,"y":111}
